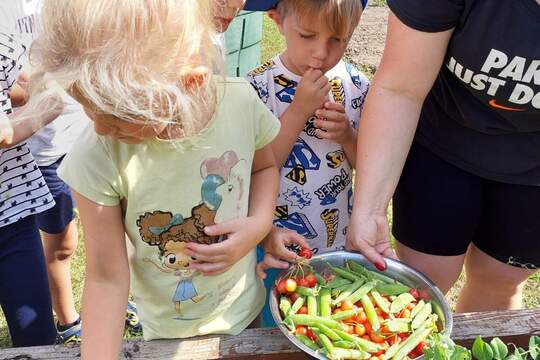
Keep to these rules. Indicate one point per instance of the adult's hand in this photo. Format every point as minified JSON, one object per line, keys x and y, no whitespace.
{"x":368,"y":234}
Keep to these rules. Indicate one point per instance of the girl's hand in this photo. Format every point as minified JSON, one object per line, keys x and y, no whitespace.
{"x":333,"y":124}
{"x":6,"y":131}
{"x":242,"y":236}
{"x":368,"y":234}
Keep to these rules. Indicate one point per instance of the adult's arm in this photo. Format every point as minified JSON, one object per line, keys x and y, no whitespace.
{"x":411,"y":62}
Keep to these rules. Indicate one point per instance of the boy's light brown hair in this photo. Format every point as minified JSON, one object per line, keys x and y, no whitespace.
{"x":340,"y":16}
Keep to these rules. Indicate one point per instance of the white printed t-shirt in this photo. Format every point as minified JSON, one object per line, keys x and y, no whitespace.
{"x":315,"y":197}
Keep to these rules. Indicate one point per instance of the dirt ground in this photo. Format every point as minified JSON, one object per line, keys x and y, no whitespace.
{"x":367,"y":44}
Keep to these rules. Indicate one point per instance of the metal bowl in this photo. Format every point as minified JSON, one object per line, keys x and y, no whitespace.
{"x":395,"y":270}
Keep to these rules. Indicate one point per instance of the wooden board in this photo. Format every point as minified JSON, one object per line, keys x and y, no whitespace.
{"x":270,"y":344}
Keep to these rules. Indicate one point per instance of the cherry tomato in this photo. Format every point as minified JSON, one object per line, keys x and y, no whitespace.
{"x":414,"y":354}
{"x":366,"y":337}
{"x":367,"y":325}
{"x":403,"y":335}
{"x":376,"y":337}
{"x":392,"y":340}
{"x":301,"y":330}
{"x":361,"y":317}
{"x":360,"y":330}
{"x":311,"y":280}
{"x":410,"y":306}
{"x":290,"y":285}
{"x":337,"y":311}
{"x":293,"y":297}
{"x":280,"y":287}
{"x":303,"y":282}
{"x":348,"y":328}
{"x":414,"y":293}
{"x":305,"y":253}
{"x":310,"y":334}
{"x":346,"y":305}
{"x":420,"y":347}
{"x":303,"y":310}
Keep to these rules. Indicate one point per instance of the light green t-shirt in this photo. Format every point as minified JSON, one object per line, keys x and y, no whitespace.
{"x":169,"y":191}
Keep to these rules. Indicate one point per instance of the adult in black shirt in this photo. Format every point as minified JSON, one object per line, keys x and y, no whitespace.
{"x":458,"y":86}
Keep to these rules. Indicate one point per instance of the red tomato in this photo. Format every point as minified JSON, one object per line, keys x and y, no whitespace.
{"x":293,"y":297}
{"x":392,"y":340}
{"x":361,"y":317}
{"x":376,"y":337}
{"x":280,"y":287}
{"x":360,"y":330}
{"x":403,"y":335}
{"x":420,"y":347}
{"x":310,"y":334}
{"x":414,"y":354}
{"x":303,"y":310}
{"x":414,"y":293}
{"x":290,"y":285}
{"x":303,"y":282}
{"x":305,"y":253}
{"x":311,"y":280}
{"x":301,"y":330}
{"x":346,"y":305}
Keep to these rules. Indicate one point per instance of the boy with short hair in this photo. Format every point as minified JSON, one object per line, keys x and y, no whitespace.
{"x":318,"y":99}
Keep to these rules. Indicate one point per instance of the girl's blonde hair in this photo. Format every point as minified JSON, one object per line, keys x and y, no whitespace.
{"x":132,"y":59}
{"x":340,"y":16}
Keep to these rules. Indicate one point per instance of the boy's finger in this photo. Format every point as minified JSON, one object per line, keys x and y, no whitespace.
{"x":272,"y":262}
{"x":295,"y":238}
{"x":321,"y":134}
{"x":329,"y":105}
{"x":260,"y":269}
{"x":322,"y":82}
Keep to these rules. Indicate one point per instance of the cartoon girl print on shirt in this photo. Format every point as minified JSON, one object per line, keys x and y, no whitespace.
{"x":222,"y":189}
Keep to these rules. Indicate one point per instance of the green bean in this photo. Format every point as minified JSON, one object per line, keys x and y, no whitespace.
{"x":329,"y":332}
{"x":391,"y":289}
{"x":327,"y":344}
{"x":348,"y":291}
{"x":417,"y":308}
{"x":370,"y":273}
{"x":363,"y":344}
{"x":345,"y":344}
{"x":392,"y":350}
{"x":325,"y":298}
{"x":430,"y":322}
{"x":338,"y":290}
{"x":370,"y":313}
{"x":308,"y":342}
{"x":296,"y":306}
{"x":344,"y":273}
{"x":320,"y":280}
{"x":284,"y":305}
{"x":340,"y":354}
{"x":344,"y":315}
{"x":363,"y":290}
{"x":310,"y":320}
{"x":383,"y":305}
{"x":337,"y":282}
{"x":312,"y":305}
{"x":305,"y":291}
{"x":410,"y":343}
{"x":396,"y":326}
{"x":421,"y":316}
{"x":401,"y":301}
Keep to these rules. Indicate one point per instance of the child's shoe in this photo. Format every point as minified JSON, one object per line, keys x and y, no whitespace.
{"x":69,"y":334}
{"x":133,"y":325}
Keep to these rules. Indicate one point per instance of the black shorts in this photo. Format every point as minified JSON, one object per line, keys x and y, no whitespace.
{"x":440,"y":209}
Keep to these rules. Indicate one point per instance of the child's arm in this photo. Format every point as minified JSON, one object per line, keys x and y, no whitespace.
{"x":243,"y":233}
{"x":310,"y":95}
{"x":106,"y":286}
{"x":333,"y":124}
{"x":6,"y":131}
{"x":24,"y":124}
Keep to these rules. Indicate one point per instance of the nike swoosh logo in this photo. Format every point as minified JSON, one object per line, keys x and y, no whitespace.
{"x":494,"y":104}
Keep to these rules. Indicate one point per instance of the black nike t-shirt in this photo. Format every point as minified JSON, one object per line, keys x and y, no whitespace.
{"x":483,"y":112}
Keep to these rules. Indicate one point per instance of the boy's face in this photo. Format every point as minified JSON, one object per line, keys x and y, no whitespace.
{"x":309,"y":44}
{"x":224,"y":12}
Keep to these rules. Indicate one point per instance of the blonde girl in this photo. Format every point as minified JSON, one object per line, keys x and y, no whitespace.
{"x":176,"y":158}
